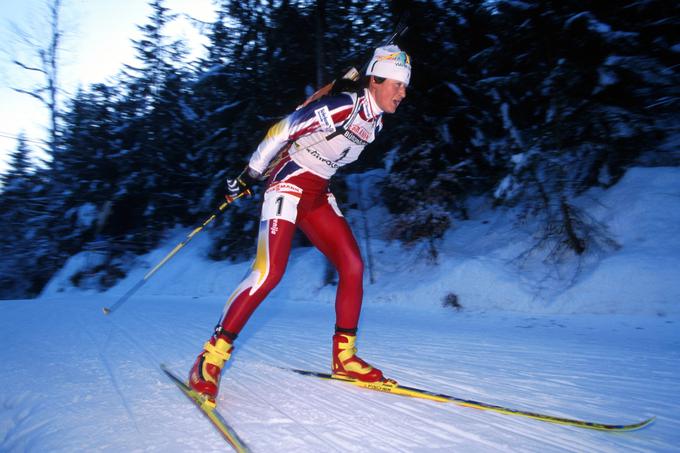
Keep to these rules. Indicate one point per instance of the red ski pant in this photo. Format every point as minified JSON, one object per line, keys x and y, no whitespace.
{"x":297,"y":198}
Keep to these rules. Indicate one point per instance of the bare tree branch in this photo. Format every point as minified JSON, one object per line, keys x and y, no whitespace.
{"x":46,"y":56}
{"x":30,"y":93}
{"x":28,"y":68}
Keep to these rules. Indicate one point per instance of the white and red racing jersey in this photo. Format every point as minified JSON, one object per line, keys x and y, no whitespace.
{"x":326,"y":134}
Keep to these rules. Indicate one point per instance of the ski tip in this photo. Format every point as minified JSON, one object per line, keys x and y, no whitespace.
{"x":622,"y":428}
{"x":649,"y":421}
{"x":642,"y":424}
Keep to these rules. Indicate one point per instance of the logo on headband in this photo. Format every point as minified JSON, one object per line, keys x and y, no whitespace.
{"x":401,"y":59}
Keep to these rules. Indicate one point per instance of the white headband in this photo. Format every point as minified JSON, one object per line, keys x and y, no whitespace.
{"x":390,"y":62}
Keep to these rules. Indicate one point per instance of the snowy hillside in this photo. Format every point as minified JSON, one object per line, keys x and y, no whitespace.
{"x":604,"y":345}
{"x":478,"y":261}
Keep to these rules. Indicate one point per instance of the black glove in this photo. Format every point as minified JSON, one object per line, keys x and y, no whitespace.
{"x":242,"y":183}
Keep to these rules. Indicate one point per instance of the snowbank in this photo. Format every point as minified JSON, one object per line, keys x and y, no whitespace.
{"x":478,"y":261}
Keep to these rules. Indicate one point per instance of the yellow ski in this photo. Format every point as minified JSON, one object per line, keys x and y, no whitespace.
{"x":394,"y":388}
{"x":215,"y":418}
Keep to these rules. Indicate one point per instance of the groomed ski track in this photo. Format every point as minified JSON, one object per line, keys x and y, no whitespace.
{"x":75,"y":380}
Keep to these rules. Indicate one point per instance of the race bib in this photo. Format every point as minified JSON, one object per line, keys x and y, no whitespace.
{"x":280,"y":205}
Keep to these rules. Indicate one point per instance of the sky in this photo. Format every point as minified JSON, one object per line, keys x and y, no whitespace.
{"x":96,"y":45}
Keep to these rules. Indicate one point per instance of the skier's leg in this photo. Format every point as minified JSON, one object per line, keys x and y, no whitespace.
{"x":273,"y":248}
{"x":277,"y":227}
{"x":328,"y":230}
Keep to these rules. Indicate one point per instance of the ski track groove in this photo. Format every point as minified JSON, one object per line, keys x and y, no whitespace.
{"x":292,"y":401}
{"x":111,"y":375}
{"x":355,"y":409}
{"x":255,"y":378}
{"x":16,"y":420}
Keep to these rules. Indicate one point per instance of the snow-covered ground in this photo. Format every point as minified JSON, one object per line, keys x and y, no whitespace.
{"x":602,"y":345}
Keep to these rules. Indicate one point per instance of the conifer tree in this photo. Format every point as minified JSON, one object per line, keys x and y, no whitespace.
{"x":577,"y":106}
{"x":16,"y":178}
{"x":440,"y":132}
{"x":19,"y":232}
{"x":152,"y":134}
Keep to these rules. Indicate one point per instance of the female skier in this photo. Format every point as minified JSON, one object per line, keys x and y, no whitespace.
{"x":300,"y":154}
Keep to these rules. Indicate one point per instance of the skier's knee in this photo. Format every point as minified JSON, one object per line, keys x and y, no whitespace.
{"x":352,"y":267}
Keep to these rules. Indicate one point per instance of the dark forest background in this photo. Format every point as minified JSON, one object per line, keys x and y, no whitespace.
{"x":528,"y":103}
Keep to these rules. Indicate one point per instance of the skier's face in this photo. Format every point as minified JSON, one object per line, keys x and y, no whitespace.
{"x":389,"y":94}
